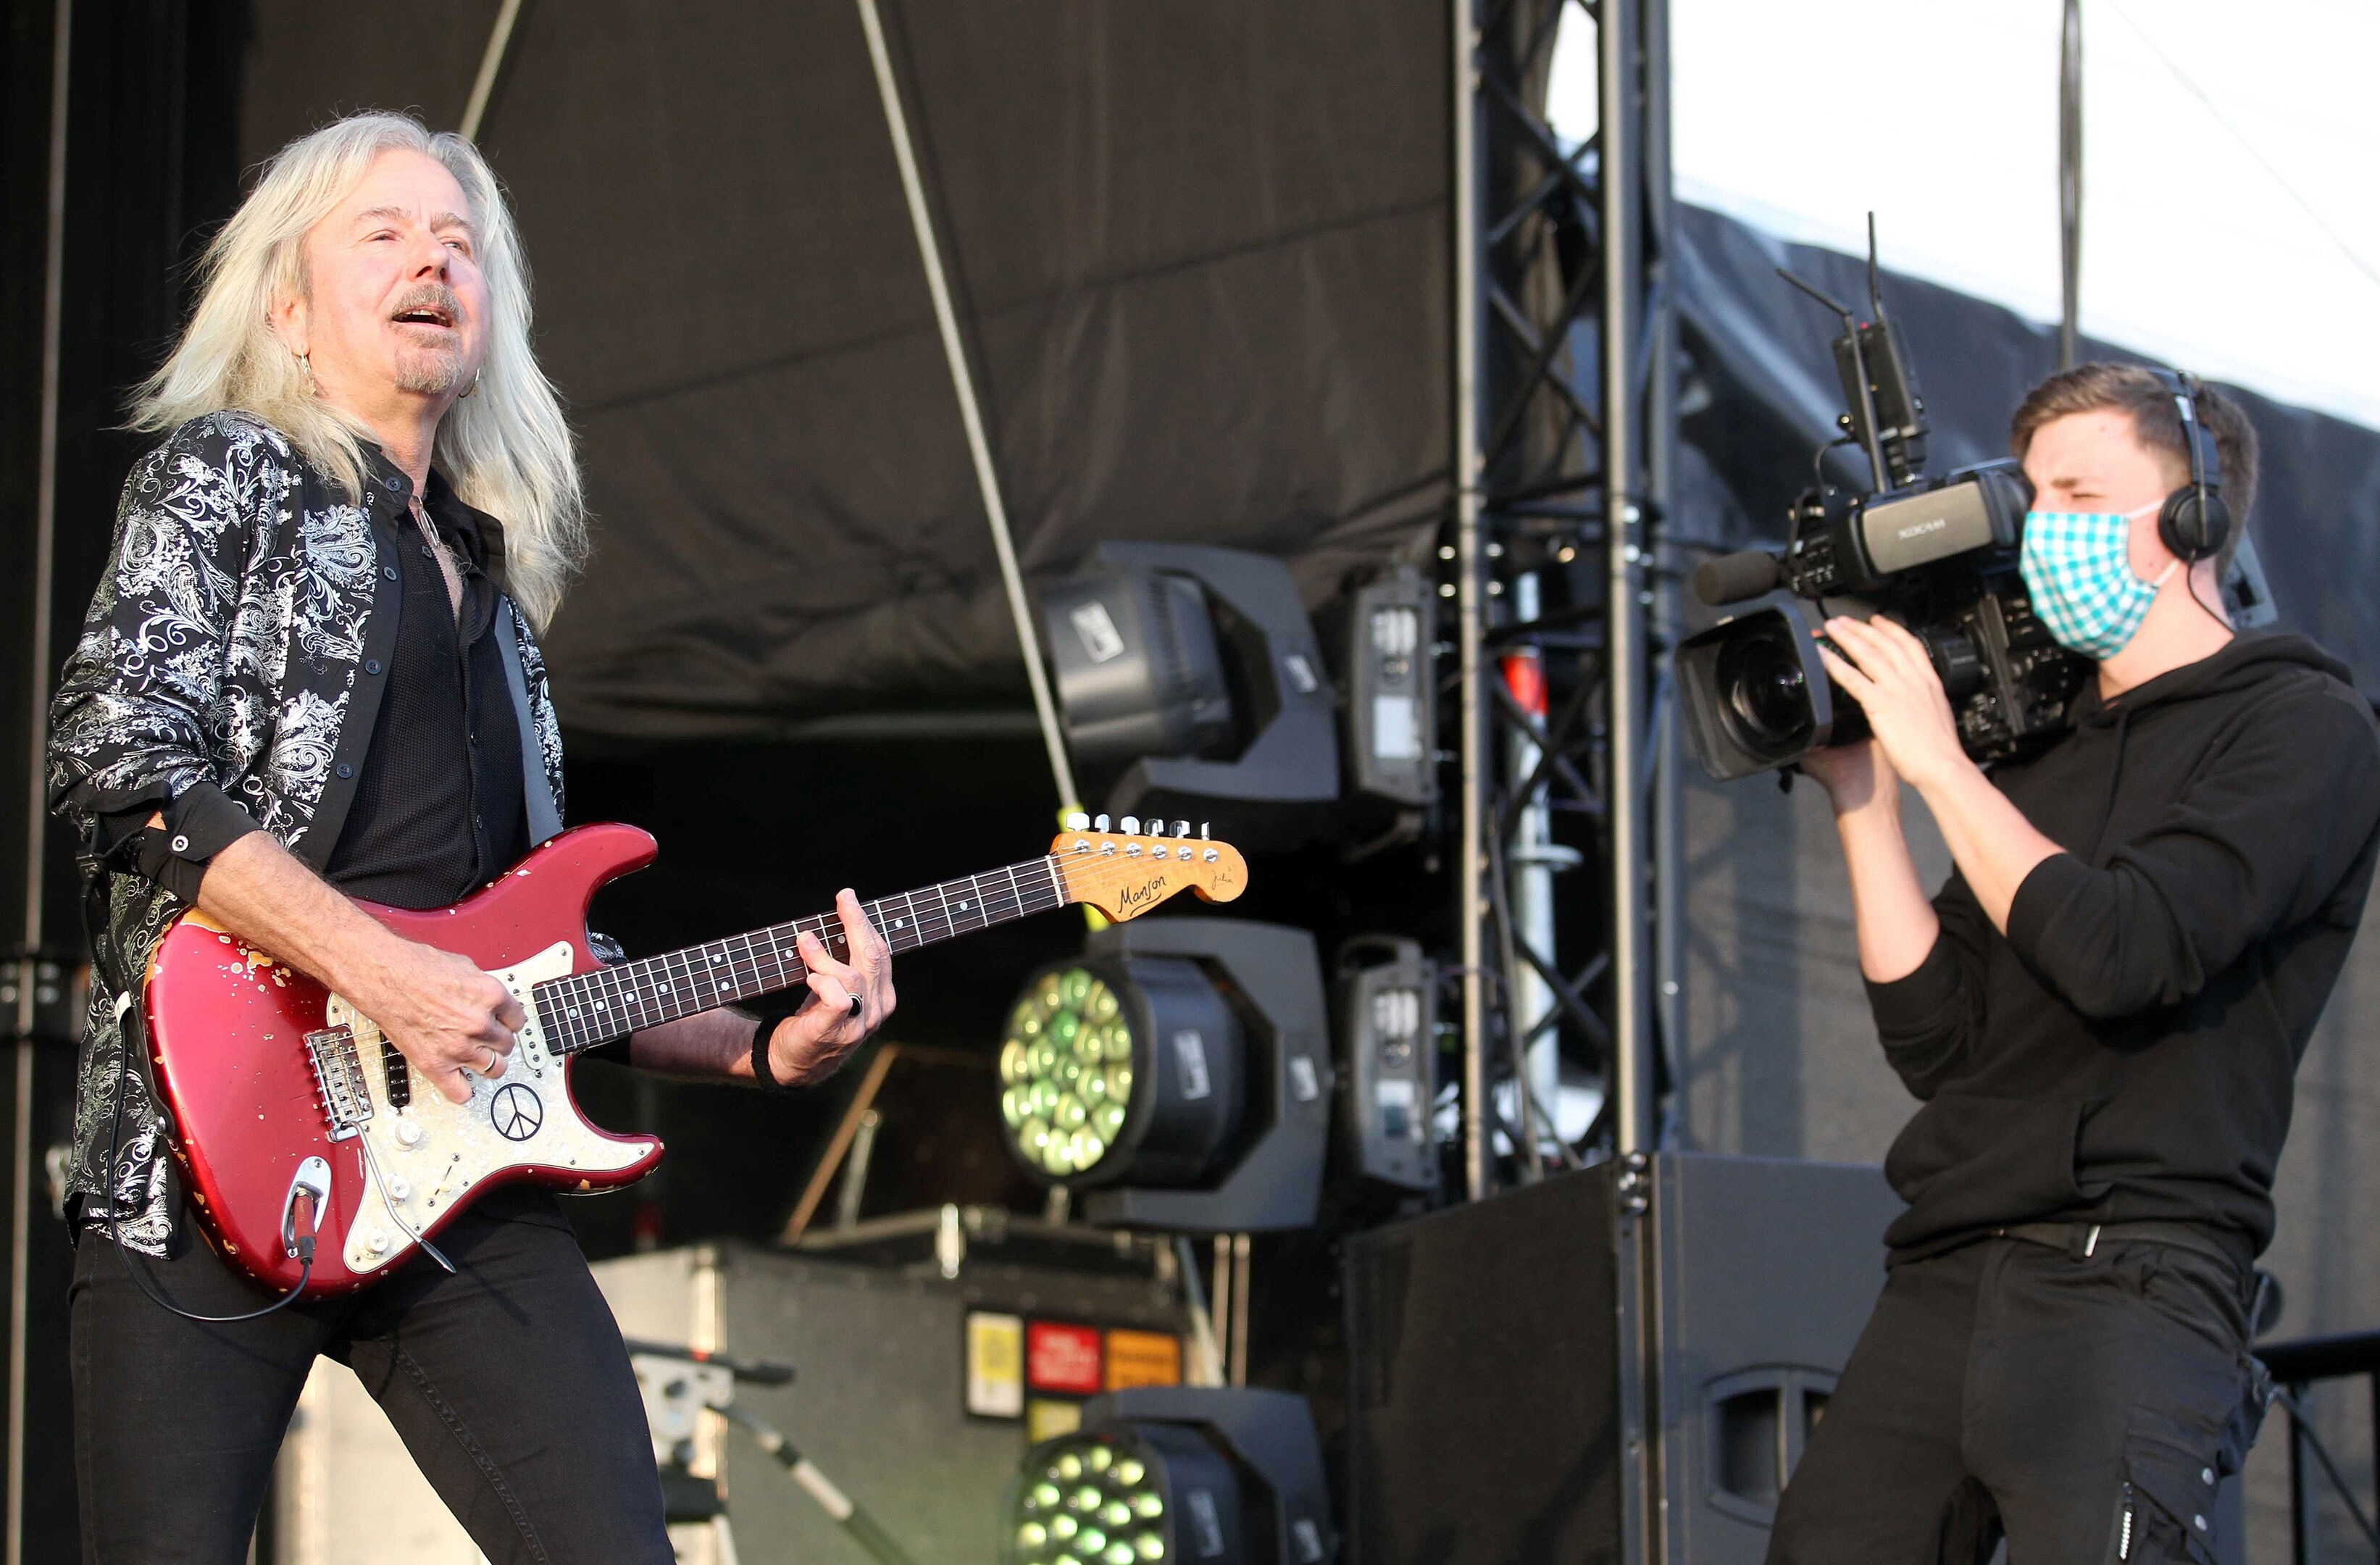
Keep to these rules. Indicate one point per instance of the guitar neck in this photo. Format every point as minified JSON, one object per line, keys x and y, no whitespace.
{"x":587,"y":1008}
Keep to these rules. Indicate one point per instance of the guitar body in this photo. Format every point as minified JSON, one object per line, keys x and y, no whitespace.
{"x":229,"y":1033}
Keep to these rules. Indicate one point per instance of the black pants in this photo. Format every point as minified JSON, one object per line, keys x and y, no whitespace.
{"x":2085,"y":1406}
{"x":507,"y":1381}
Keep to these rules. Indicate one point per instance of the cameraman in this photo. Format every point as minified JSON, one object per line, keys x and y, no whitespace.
{"x":2102,"y":1011}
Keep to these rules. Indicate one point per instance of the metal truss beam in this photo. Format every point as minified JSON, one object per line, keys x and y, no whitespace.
{"x":1566,"y":388}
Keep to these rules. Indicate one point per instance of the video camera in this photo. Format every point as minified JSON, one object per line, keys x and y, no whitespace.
{"x":1939,"y":555}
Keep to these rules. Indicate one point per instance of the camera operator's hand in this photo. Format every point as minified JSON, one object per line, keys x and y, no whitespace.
{"x":1885,"y":669}
{"x":1856,"y":776}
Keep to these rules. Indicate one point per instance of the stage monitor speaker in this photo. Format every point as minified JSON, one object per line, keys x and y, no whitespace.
{"x":1483,"y":1394}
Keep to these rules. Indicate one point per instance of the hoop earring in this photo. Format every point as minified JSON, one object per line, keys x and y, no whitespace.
{"x":307,"y":364}
{"x":472,"y":387}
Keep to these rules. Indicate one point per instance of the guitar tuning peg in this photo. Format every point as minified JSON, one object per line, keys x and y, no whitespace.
{"x":1130,"y":825}
{"x":1075,"y":820}
{"x":1098,"y":824}
{"x":1181,"y":827}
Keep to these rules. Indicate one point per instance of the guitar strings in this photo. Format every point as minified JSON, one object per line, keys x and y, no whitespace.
{"x":1072,"y":878}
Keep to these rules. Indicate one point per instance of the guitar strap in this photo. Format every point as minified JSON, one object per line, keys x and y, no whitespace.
{"x":537,"y":788}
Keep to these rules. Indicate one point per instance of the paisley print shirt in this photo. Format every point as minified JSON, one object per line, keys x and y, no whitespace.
{"x":220,"y":674}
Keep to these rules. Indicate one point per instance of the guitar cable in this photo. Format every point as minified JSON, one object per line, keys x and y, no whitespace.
{"x":116,"y":1236}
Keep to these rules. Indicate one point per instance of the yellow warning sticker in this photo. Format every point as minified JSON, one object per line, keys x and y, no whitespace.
{"x":1046,"y":1419}
{"x":995,"y":1352}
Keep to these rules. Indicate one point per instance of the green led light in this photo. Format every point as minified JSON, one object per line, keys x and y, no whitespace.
{"x":1065,"y":1069}
{"x":1092,"y":1502}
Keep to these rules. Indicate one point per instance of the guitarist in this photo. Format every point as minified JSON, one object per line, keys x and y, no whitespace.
{"x":309,"y":674}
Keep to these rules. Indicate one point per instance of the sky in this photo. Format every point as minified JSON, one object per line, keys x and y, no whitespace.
{"x":2229,"y":223}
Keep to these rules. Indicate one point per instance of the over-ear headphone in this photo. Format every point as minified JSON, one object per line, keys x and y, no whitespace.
{"x":2195,"y":521}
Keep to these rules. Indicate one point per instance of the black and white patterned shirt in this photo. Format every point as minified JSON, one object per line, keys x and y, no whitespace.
{"x":229,"y":676}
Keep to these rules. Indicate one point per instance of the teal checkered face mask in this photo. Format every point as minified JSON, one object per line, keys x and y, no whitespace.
{"x":2078,"y":565}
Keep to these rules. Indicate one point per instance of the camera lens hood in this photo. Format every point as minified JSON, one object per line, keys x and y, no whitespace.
{"x":1754,"y":692}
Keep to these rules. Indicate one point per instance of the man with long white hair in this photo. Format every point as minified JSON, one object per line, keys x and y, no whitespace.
{"x":311,"y":674}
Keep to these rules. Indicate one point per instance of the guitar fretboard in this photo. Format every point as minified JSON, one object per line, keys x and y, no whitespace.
{"x":587,"y":1008}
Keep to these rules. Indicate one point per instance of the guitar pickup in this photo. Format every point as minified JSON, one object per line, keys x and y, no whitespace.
{"x":339,"y":1079}
{"x":400,"y":1080}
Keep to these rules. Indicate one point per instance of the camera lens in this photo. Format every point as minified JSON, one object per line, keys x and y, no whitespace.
{"x":1764,"y":697}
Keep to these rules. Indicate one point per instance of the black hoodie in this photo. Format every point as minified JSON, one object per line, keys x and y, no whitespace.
{"x":2125,"y":1052}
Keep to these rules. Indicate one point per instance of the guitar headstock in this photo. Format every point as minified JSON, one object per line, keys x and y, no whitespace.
{"x":1123,"y":873}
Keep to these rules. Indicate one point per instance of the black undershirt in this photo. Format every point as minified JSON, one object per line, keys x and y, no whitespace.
{"x":439,"y":808}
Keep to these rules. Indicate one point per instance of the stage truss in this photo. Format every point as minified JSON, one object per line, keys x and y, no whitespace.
{"x":1563,"y":578}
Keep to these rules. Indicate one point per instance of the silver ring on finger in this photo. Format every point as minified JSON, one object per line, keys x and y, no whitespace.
{"x":494,"y":1060}
{"x":855,"y":1008}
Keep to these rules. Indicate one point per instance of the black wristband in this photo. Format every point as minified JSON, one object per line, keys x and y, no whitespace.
{"x":769,"y":1012}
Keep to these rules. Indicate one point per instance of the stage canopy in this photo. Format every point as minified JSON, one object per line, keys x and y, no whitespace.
{"x":1200,"y":254}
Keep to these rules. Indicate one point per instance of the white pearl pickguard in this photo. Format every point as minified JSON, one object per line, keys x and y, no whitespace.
{"x":435,"y":1154}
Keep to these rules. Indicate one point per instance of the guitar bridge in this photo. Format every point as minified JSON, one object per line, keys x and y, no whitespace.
{"x":339,"y":1078}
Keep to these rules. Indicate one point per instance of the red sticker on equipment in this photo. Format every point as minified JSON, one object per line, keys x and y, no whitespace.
{"x":1062,"y":1358}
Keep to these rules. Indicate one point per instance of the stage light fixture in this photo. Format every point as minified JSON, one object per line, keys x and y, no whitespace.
{"x":1178,"y":1074}
{"x":1388,"y":1061}
{"x":1190,"y":677}
{"x":1214,"y":1476}
{"x":1384,"y":631}
{"x":1089,"y":1094}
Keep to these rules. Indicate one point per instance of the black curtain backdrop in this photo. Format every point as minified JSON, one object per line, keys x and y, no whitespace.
{"x":1200,"y":255}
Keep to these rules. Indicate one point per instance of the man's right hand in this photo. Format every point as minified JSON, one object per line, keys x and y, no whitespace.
{"x":1857,"y":777}
{"x":450,"y":1019}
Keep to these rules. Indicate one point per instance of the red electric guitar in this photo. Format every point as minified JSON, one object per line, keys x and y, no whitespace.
{"x":293,"y":1113}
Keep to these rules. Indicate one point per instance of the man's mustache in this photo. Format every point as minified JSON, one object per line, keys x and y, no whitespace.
{"x":434,"y":296}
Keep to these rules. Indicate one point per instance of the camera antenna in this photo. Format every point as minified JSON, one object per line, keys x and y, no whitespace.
{"x":1863,"y":419}
{"x":1874,"y":292}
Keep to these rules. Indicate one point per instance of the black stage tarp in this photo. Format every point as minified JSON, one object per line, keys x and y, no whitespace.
{"x":1199,"y":251}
